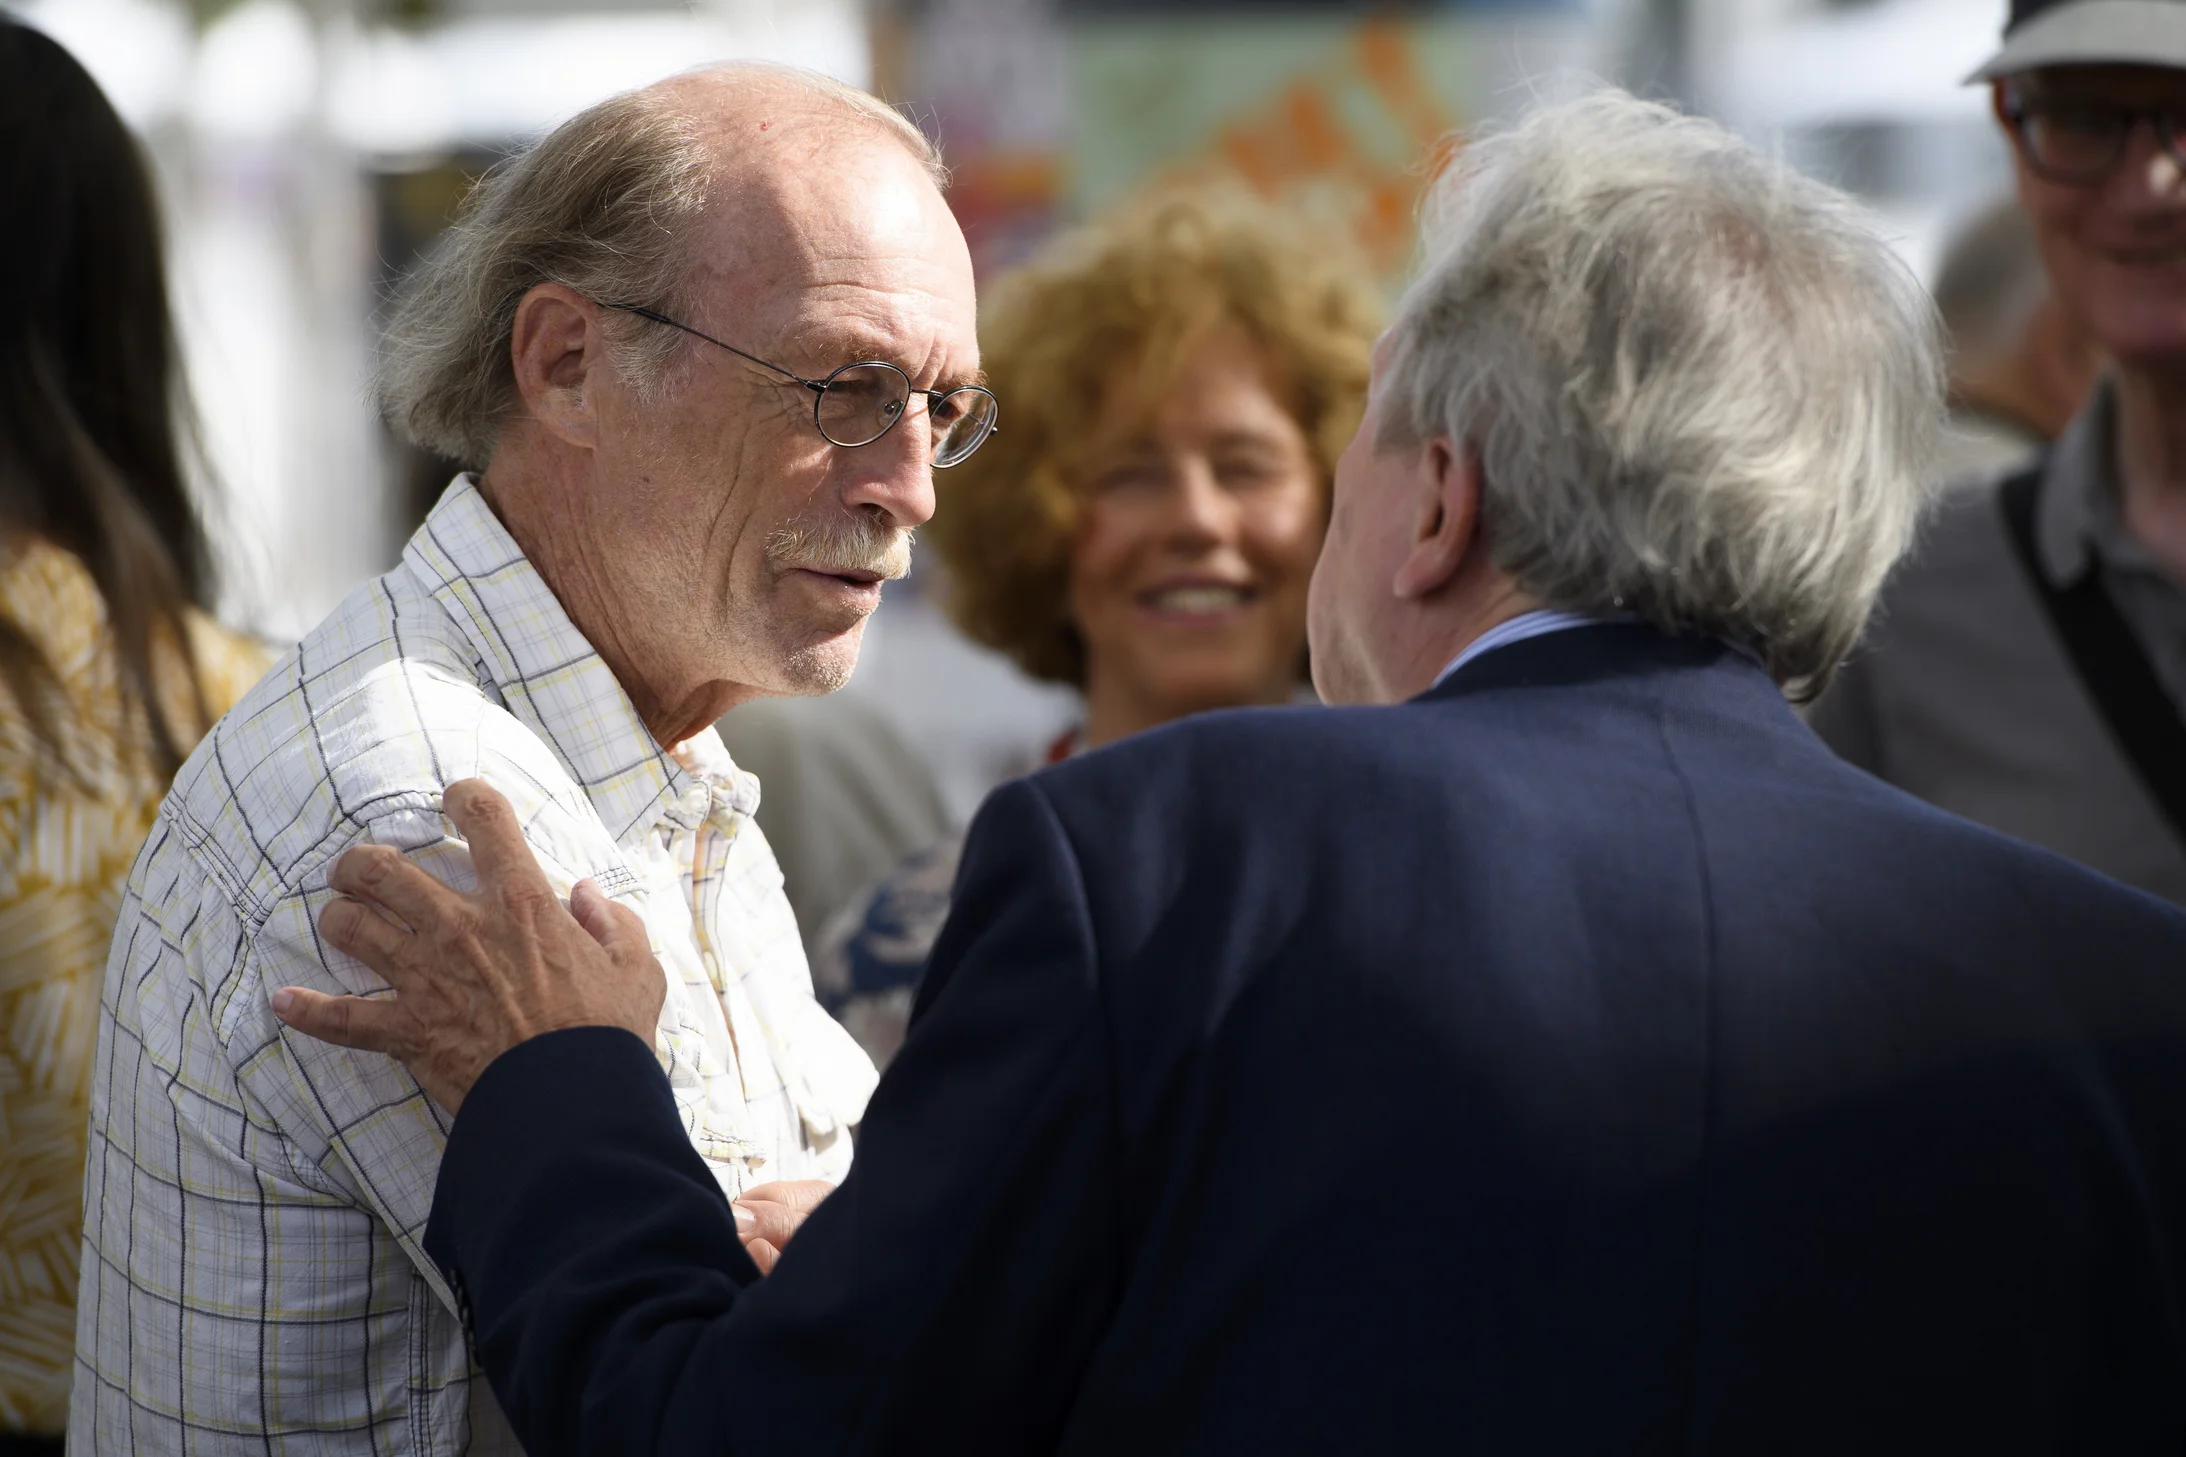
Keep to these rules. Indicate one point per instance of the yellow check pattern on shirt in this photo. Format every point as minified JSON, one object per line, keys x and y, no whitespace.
{"x":256,"y":1201}
{"x":66,"y":844}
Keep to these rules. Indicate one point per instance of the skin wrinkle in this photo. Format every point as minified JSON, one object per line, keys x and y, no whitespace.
{"x":650,"y":513}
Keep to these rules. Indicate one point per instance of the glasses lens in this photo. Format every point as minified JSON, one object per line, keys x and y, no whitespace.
{"x":861,"y":402}
{"x":2071,"y":140}
{"x":963,"y":419}
{"x":2171,"y":130}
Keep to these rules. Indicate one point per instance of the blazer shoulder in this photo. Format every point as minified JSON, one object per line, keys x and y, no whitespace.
{"x":1207,"y":753}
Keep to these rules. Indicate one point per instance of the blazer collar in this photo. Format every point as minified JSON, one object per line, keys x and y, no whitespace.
{"x":1586,"y":654}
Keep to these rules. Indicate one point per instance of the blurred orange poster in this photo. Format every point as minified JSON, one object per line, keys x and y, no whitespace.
{"x":1343,"y":120}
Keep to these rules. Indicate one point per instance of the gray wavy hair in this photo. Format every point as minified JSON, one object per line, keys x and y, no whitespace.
{"x":600,"y":205}
{"x":1702,"y":388}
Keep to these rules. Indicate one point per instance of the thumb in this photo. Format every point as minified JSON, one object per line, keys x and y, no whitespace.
{"x":594,"y":911}
{"x":616,"y":927}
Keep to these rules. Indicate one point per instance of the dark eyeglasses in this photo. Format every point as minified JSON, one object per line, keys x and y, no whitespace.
{"x":2079,"y":142}
{"x":859,"y":403}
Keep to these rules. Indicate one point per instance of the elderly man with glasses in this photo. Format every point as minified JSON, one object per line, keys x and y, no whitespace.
{"x":653,"y":530}
{"x":2029,"y":667}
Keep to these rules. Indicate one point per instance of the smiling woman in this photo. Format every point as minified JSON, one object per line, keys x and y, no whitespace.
{"x":1180,"y":381}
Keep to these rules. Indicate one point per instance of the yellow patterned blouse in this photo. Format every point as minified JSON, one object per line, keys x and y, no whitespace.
{"x":65,"y":851}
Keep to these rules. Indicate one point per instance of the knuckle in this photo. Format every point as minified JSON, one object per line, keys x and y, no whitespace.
{"x":370,"y":864}
{"x":525,"y":898}
{"x":483,"y":805}
{"x":339,"y":919}
{"x":463,"y":939}
{"x":403,"y":1041}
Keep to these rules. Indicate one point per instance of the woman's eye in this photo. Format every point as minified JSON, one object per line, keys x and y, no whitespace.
{"x":1127,"y":478}
{"x":1248,"y":472}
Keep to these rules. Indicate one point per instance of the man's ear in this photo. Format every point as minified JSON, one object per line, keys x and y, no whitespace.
{"x":559,"y":356}
{"x":1446,"y":519}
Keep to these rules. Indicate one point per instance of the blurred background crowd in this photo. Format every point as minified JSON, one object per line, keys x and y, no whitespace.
{"x":308,"y":150}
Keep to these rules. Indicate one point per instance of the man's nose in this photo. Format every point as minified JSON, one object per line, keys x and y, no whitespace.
{"x":895,"y":474}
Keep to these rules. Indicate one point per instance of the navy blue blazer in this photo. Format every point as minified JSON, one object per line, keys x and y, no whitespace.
{"x":1576,"y":1059}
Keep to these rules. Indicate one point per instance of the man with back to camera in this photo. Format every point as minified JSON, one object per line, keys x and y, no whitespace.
{"x":1568,"y":1055}
{"x":2028,"y":668}
{"x":664,"y":525}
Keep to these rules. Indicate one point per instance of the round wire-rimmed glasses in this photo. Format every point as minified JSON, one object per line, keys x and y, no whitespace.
{"x":862,"y":401}
{"x":2079,"y":142}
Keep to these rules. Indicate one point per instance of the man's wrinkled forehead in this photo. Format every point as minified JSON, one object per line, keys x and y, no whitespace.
{"x":784,"y":215}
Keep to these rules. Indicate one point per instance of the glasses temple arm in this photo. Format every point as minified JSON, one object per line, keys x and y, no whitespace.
{"x":644,"y":313}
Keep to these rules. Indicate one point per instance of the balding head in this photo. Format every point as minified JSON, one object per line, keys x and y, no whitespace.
{"x":609,"y":203}
{"x":754,"y":115}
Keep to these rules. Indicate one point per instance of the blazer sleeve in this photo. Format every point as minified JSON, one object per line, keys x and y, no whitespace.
{"x":947,"y":1297}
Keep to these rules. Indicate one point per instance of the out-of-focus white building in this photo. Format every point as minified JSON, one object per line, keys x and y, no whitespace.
{"x":269,"y":127}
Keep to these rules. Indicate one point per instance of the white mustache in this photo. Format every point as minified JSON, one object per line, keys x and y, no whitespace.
{"x":842,"y":544}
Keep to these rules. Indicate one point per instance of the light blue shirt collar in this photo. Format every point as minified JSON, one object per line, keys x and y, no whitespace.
{"x":1538,"y":623}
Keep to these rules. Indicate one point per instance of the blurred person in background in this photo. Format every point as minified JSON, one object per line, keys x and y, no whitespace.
{"x":110,"y":669}
{"x":2028,"y":667}
{"x":1550,"y":1049}
{"x":1181,"y":378}
{"x":700,"y":351}
{"x":844,"y":797}
{"x":2021,"y":365}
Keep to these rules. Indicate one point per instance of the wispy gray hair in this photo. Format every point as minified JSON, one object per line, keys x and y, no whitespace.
{"x":1702,"y":387}
{"x":605,"y":204}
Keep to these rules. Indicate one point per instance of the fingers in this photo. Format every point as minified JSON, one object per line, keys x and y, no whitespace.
{"x":763,"y":1254}
{"x":774,"y":1223}
{"x":384,"y":876}
{"x":371,"y":938}
{"x":801,"y":1195}
{"x":371,"y":1024}
{"x":771,"y":1214}
{"x":504,"y":861}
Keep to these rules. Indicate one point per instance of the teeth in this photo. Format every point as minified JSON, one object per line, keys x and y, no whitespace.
{"x":1198,"y":599}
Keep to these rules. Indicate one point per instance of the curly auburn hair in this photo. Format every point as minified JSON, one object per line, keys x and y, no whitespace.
{"x":1124,"y":305}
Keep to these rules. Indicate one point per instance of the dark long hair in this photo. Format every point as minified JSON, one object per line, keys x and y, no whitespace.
{"x":91,"y":444}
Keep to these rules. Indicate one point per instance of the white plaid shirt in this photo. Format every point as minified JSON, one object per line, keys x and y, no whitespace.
{"x":254,"y":1277}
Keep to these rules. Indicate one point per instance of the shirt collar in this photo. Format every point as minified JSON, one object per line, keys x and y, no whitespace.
{"x":2077,"y":519}
{"x":551,"y":680}
{"x":1537,"y":623}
